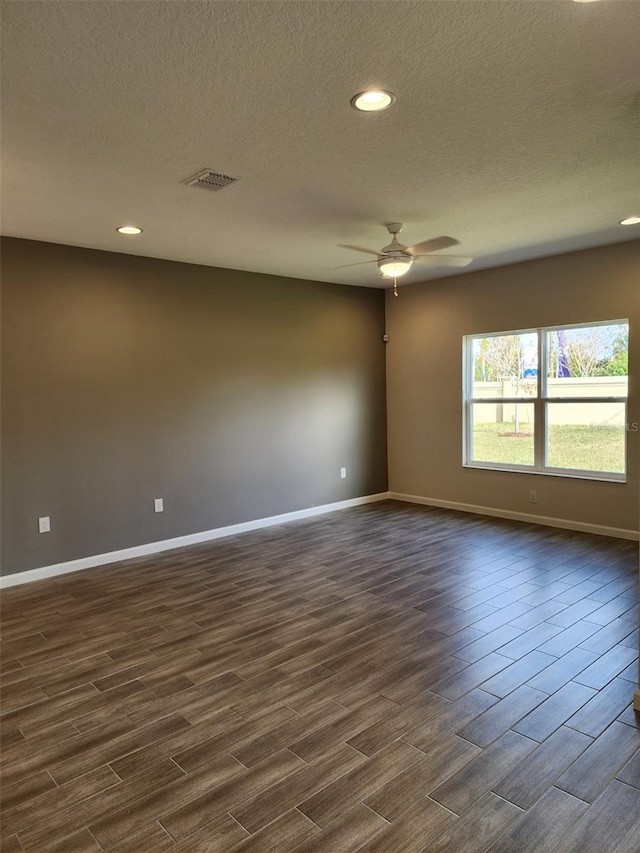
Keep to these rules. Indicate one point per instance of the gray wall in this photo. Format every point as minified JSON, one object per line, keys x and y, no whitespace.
{"x":424,"y":378}
{"x":232,"y":395}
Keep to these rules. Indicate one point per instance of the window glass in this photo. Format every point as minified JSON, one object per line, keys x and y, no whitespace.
{"x":505,"y":365}
{"x":588,"y":361}
{"x":586,"y":436}
{"x":503,"y":432}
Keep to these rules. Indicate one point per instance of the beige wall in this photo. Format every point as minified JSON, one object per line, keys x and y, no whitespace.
{"x":234,"y":396}
{"x":426,"y":324}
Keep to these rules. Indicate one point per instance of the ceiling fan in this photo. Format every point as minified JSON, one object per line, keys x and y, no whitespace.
{"x":395,"y":259}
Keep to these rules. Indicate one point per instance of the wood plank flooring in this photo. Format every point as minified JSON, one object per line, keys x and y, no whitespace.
{"x":387,"y":678}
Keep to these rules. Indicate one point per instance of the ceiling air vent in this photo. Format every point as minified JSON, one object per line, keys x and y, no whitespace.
{"x":208,"y":179}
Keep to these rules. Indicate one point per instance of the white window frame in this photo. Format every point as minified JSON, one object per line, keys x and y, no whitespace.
{"x":540,"y":402}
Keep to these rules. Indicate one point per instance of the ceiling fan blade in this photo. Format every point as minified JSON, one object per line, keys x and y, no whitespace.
{"x":442,"y":260}
{"x":358,"y":249}
{"x":358,"y":264}
{"x":433,"y":245}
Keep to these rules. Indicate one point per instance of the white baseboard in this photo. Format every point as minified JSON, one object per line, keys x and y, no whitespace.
{"x":181,"y":541}
{"x":547,"y":521}
{"x":244,"y":527}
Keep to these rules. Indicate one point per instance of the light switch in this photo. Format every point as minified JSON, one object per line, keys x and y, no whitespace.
{"x":158,"y":505}
{"x":44,"y":524}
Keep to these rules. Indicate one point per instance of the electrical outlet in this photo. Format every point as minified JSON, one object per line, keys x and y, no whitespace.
{"x":158,"y":505}
{"x":533,"y":496}
{"x":343,"y":473}
{"x":44,"y":524}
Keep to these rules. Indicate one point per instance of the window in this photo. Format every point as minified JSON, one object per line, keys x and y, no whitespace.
{"x":550,"y":401}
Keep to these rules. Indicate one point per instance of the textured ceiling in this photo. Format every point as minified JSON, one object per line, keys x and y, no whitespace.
{"x":515,"y":128}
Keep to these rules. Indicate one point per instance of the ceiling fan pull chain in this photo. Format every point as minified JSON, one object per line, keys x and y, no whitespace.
{"x":395,"y":286}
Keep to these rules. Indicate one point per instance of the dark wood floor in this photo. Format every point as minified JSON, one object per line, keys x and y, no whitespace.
{"x":388,"y":678}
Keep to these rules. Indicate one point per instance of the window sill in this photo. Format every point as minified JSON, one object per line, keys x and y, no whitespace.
{"x":597,"y":476}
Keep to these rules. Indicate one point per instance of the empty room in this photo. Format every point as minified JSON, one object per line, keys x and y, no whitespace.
{"x":320,"y":409}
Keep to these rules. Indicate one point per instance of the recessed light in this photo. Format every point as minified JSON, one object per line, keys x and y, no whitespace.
{"x":585,"y":1}
{"x":129,"y":229}
{"x":372,"y":100}
{"x":630,"y":220}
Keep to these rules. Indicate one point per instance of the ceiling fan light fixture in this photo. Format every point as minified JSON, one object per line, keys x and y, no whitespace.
{"x":394,"y":267}
{"x":372,"y":100}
